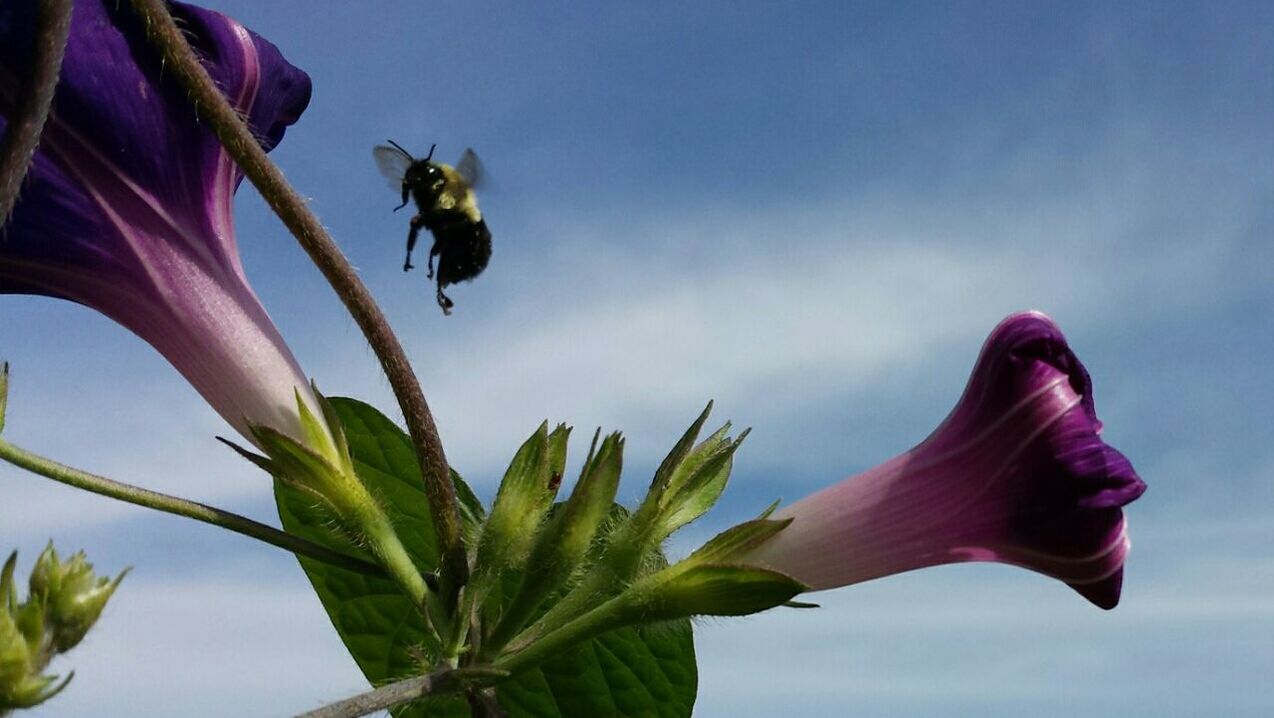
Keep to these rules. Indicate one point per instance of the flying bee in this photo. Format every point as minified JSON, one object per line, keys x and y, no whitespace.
{"x":446,"y":206}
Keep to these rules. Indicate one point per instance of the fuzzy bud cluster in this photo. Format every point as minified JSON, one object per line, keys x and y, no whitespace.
{"x":64,"y":600}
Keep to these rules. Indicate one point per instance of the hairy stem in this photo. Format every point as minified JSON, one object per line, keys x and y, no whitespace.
{"x":597,"y":621}
{"x":385,"y":697}
{"x":239,"y":142}
{"x":31,"y":108}
{"x":182,"y":507}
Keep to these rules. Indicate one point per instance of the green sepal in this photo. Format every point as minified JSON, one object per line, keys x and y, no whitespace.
{"x":46,"y":574}
{"x":701,"y":481}
{"x":8,"y":588}
{"x":15,"y":655}
{"x":687,"y":484}
{"x":564,"y":543}
{"x":736,"y":540}
{"x":262,"y":462}
{"x":30,"y":620}
{"x":557,"y":458}
{"x":769,"y":510}
{"x":29,"y":616}
{"x":315,"y":432}
{"x":337,"y":430}
{"x":679,"y":452}
{"x":472,"y":513}
{"x":642,"y":531}
{"x":287,"y":473}
{"x":644,"y":671}
{"x":31,"y":691}
{"x":4,"y":392}
{"x":297,"y":463}
{"x":71,"y":595}
{"x":713,"y":590}
{"x":688,"y":469}
{"x":520,"y":504}
{"x":341,"y":493}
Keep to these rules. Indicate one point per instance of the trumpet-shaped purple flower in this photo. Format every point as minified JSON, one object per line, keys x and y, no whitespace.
{"x":127,"y":207}
{"x":1017,"y":473}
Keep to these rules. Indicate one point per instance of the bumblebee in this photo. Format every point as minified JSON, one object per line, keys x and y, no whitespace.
{"x":446,"y":206}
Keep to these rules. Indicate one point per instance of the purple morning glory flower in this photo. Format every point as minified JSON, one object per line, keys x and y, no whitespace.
{"x":1017,"y":474}
{"x":127,"y":207}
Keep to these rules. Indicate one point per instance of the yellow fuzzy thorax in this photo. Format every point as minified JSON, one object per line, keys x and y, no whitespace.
{"x":458,"y":195}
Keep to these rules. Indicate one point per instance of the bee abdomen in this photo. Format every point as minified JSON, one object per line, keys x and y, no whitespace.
{"x":466,"y":249}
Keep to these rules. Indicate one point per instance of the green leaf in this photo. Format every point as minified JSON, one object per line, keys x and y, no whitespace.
{"x":648,"y":671}
{"x":629,"y":672}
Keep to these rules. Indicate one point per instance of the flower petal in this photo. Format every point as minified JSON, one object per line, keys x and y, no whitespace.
{"x":127,"y":207}
{"x":1017,"y":473}
{"x":122,"y":127}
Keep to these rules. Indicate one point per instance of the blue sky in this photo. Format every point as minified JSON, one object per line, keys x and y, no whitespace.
{"x":812,"y":215}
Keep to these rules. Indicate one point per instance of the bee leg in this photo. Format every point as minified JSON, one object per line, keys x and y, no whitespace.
{"x":444,"y":301}
{"x":406,"y":191}
{"x":434,"y":251}
{"x":416,"y":223}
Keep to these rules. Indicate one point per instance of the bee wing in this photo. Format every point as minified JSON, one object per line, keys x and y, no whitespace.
{"x":470,"y":168}
{"x":392,"y":163}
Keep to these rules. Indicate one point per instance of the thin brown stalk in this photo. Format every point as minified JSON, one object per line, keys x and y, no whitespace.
{"x":35,"y":97}
{"x":243,"y":147}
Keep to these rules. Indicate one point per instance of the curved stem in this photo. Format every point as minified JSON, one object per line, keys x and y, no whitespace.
{"x":385,"y":697}
{"x":239,"y":142}
{"x":31,"y":109}
{"x":182,"y":507}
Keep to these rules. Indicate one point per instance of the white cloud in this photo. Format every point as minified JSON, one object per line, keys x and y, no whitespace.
{"x":208,"y":646}
{"x":771,"y":311}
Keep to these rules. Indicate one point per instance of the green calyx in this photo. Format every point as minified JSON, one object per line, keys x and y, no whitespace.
{"x":621,"y":580}
{"x":319,"y":464}
{"x":63,"y":602}
{"x":72,"y":596}
{"x":563,"y":543}
{"x":530,"y":484}
{"x":686,"y":485}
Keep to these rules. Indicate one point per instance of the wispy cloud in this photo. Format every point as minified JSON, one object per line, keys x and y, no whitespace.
{"x":776,"y":310}
{"x":208,"y":646}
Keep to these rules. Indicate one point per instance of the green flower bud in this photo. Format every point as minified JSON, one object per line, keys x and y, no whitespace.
{"x":712,"y":590}
{"x":29,"y":616}
{"x":565,"y":539}
{"x":24,"y":648}
{"x":15,"y":656}
{"x":321,"y":467}
{"x":525,"y":495}
{"x":71,"y":595}
{"x":686,"y":485}
{"x":30,"y":691}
